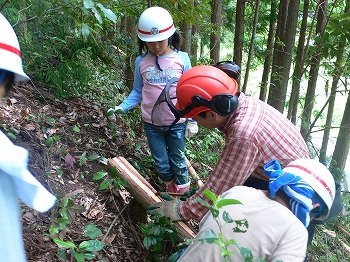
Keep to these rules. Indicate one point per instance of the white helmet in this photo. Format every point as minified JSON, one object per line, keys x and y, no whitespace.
{"x":10,"y":53}
{"x":155,"y":24}
{"x":318,"y":177}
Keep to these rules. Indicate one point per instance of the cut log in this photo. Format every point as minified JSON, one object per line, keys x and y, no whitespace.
{"x":143,"y":192}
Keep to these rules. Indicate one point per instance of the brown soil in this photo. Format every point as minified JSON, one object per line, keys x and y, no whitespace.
{"x":33,"y":115}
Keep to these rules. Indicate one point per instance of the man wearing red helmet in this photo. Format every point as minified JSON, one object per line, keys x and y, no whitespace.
{"x":255,"y":133}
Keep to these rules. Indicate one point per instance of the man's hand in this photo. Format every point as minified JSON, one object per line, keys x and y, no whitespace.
{"x":188,"y":194}
{"x":113,"y":114}
{"x":191,"y":128}
{"x":167,"y":208}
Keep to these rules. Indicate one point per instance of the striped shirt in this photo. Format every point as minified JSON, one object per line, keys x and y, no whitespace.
{"x":255,"y":134}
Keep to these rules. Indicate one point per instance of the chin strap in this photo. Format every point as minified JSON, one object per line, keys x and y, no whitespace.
{"x":158,"y":63}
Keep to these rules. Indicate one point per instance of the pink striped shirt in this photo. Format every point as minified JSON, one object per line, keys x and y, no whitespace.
{"x":255,"y":134}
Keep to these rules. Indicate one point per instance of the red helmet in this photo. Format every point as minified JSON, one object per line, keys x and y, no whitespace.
{"x":212,"y":87}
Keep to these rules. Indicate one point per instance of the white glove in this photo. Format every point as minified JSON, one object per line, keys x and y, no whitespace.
{"x":191,"y":129}
{"x":167,"y":208}
{"x":113,"y":114}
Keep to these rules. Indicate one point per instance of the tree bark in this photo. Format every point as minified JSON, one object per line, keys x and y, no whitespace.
{"x":251,"y":45}
{"x":283,"y":51}
{"x":216,"y":6}
{"x":269,"y":52}
{"x":299,"y":66}
{"x":315,"y":64}
{"x":342,"y":145}
{"x":239,"y":33}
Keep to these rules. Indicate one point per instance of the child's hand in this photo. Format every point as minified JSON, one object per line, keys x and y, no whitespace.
{"x":113,"y":114}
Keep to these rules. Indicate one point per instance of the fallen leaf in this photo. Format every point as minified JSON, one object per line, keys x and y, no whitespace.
{"x":109,"y":239}
{"x":69,"y":160}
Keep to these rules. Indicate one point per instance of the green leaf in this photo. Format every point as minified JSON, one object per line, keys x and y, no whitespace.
{"x":76,"y":129}
{"x":93,"y":245}
{"x":225,"y":202}
{"x":64,"y":244}
{"x":83,"y":245}
{"x":110,"y":112}
{"x":79,"y":257}
{"x":12,"y":135}
{"x":88,"y":4}
{"x":49,"y":141}
{"x":114,"y":172}
{"x":105,"y":184}
{"x":92,"y":231}
{"x":108,"y":13}
{"x":148,"y":241}
{"x":226,"y":217}
{"x":246,"y":253}
{"x":93,"y":157}
{"x":85,"y":30}
{"x":99,"y":175}
{"x":210,"y":195}
{"x":97,"y":15}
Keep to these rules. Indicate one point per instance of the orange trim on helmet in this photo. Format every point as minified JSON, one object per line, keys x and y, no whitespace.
{"x":315,"y":176}
{"x":10,"y":49}
{"x":159,"y":32}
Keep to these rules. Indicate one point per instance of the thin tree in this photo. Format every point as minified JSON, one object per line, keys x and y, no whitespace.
{"x":216,"y":20}
{"x":239,"y":33}
{"x":314,"y":67}
{"x":339,"y":66}
{"x":186,"y":28}
{"x":251,"y":45}
{"x":299,"y":66}
{"x":283,"y":51}
{"x":342,"y":145}
{"x":269,"y":51}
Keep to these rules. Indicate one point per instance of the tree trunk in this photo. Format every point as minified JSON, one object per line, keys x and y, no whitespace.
{"x":338,"y":70}
{"x":186,"y":29}
{"x":239,"y":33}
{"x":283,"y":51}
{"x":269,"y":52}
{"x":315,"y":64}
{"x":194,"y":44}
{"x":129,"y":61}
{"x":342,"y":145}
{"x":299,"y":66}
{"x":251,"y":45}
{"x":215,"y":35}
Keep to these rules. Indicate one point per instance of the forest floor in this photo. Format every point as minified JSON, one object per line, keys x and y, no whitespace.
{"x":30,"y":115}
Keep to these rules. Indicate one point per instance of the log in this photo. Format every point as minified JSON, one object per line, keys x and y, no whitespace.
{"x":143,"y":192}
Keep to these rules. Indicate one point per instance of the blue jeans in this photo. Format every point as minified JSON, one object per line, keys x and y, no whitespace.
{"x":168,"y":152}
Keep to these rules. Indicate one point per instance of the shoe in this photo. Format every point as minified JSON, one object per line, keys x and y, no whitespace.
{"x":170,"y":187}
{"x":182,"y":188}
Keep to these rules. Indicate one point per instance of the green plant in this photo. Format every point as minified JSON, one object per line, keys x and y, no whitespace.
{"x":156,"y":232}
{"x":63,"y":214}
{"x":217,"y":238}
{"x":9,"y":133}
{"x":116,"y":181}
{"x":85,"y":250}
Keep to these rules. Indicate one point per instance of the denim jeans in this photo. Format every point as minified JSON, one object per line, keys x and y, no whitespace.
{"x":168,"y":152}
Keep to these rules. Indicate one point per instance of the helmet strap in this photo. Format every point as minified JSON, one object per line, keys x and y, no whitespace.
{"x":157,"y":57}
{"x":2,"y":76}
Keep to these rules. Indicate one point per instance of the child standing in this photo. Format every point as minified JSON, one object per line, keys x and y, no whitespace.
{"x":160,"y":62}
